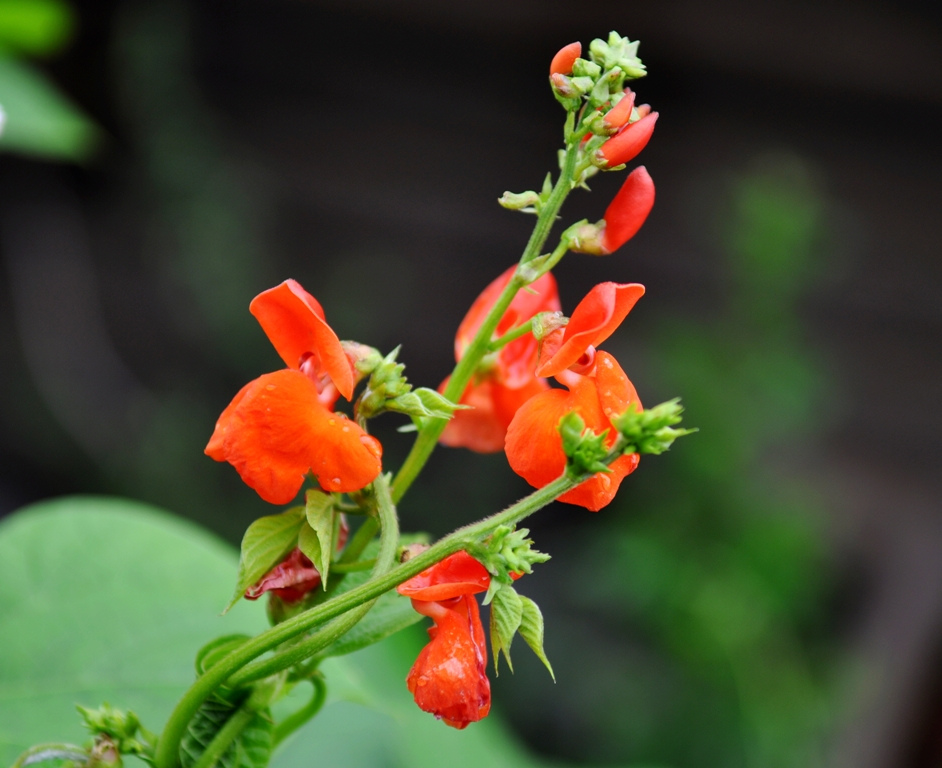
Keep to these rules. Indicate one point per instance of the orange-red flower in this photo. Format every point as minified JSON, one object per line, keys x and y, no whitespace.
{"x":449,"y":678}
{"x":596,"y":388}
{"x":497,"y":393}
{"x":279,"y":427}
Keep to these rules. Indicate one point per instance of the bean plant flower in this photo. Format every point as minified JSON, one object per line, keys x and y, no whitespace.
{"x":526,"y":379}
{"x":281,"y":426}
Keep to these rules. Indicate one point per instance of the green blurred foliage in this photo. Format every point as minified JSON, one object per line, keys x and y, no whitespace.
{"x":36,"y":118}
{"x":719,"y":570}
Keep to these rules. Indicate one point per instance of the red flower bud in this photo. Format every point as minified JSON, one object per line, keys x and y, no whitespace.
{"x":628,"y":211}
{"x":625,"y":145}
{"x":620,"y":114}
{"x":564,"y":59}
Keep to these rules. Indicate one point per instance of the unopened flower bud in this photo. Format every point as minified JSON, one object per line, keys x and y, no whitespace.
{"x":626,"y":144}
{"x":565,"y":57}
{"x":627,"y":211}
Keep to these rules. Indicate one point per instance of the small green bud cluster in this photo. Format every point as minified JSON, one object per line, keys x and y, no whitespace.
{"x":602,"y":76}
{"x":119,"y":730}
{"x":388,"y":390}
{"x":507,"y":554}
{"x":585,"y":450}
{"x":651,"y":430}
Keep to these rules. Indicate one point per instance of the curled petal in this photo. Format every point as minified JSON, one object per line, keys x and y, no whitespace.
{"x":628,"y":210}
{"x":294,"y":322}
{"x":456,"y":575}
{"x":275,"y":431}
{"x":291,"y":579}
{"x":449,"y":678}
{"x":534,"y":447}
{"x":596,"y":318}
{"x":625,"y":145}
{"x":564,"y":59}
{"x":482,"y":427}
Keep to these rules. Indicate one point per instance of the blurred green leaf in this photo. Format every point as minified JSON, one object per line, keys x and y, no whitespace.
{"x":103,"y":600}
{"x":37,"y":27}
{"x":38,"y":119}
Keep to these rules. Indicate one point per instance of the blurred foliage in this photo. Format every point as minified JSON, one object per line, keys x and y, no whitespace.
{"x":717,"y":575}
{"x":37,"y":119}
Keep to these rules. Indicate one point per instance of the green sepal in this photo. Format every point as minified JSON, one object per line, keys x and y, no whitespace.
{"x":531,"y":630}
{"x":264,"y":545}
{"x":424,"y":403}
{"x":317,"y":539}
{"x":252,"y":748}
{"x":506,"y":616}
{"x":584,"y":449}
{"x":651,"y":430}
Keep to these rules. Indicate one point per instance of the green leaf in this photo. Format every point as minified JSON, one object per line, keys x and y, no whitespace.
{"x":506,"y":615}
{"x":531,"y":630}
{"x":38,"y":120}
{"x":250,"y":749}
{"x":265,"y":543}
{"x":317,"y":538}
{"x":104,"y":599}
{"x":38,"y":27}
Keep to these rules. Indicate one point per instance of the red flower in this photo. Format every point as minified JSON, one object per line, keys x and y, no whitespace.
{"x":564,"y":59}
{"x":628,"y":210}
{"x":496,"y":394}
{"x":449,"y":677}
{"x":279,"y":427}
{"x":596,"y":388}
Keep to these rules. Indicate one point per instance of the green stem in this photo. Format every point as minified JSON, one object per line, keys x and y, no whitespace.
{"x":225,"y":736}
{"x":428,"y":436}
{"x":298,"y":652}
{"x":166,"y":755}
{"x":296,"y":719}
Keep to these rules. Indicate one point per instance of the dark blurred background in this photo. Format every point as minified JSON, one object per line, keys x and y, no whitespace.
{"x":767,"y":594}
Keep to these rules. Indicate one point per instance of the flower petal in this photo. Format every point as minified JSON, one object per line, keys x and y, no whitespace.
{"x":482,"y":427}
{"x":275,"y":431}
{"x":596,"y":318}
{"x":291,"y":579}
{"x":456,"y":575}
{"x":628,"y":210}
{"x":534,"y":447}
{"x":294,"y":322}
{"x":564,"y":58}
{"x":449,"y":677}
